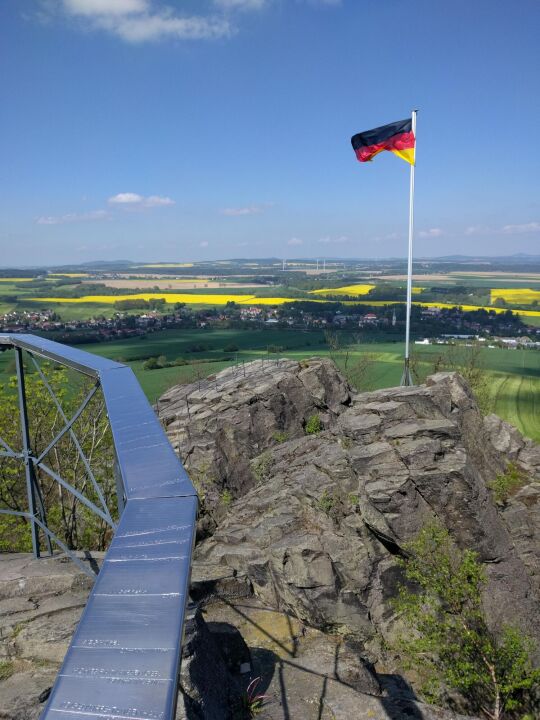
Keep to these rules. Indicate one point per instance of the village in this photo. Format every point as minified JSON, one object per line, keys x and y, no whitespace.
{"x":429,"y":325}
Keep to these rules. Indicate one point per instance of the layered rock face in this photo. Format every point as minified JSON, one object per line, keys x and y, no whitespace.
{"x":316,"y":521}
{"x":219,"y":425}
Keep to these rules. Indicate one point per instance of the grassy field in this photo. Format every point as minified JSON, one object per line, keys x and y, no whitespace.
{"x":514,"y":374}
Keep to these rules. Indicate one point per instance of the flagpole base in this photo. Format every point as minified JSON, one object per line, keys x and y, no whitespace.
{"x":406,"y":378}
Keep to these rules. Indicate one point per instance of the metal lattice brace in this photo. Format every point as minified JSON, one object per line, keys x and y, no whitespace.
{"x":123,"y":661}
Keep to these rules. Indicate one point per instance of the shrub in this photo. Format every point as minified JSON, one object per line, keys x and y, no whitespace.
{"x":313,"y":425}
{"x":354,"y":500}
{"x":507,"y":483}
{"x":151,"y":364}
{"x":262,"y":466}
{"x":326,"y":502}
{"x":7,"y":669}
{"x":230,"y":348}
{"x":448,"y":642}
{"x":280,"y":436}
{"x":226,"y":497}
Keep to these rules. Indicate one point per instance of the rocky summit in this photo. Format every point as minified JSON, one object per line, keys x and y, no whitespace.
{"x":309,"y":494}
{"x":313,"y":522}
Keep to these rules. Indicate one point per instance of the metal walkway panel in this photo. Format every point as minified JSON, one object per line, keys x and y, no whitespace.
{"x":124,"y":657}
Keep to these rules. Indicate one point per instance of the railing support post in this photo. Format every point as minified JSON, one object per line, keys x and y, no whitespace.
{"x":28,"y":464}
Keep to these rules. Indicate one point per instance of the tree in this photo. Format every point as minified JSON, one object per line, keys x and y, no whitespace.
{"x":468,"y":361}
{"x":448,"y":640}
{"x":359,"y":369}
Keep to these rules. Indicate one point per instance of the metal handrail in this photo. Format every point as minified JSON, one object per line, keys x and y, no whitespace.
{"x":124,"y":658}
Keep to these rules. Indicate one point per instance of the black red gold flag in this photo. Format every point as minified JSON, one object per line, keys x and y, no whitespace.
{"x":397,"y":137}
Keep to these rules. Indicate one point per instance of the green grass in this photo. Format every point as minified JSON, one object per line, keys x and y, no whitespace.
{"x":176,"y":343}
{"x":73,"y":311}
{"x":514,"y":381}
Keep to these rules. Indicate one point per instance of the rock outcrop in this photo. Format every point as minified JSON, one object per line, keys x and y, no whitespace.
{"x":219,"y":425}
{"x":316,"y":522}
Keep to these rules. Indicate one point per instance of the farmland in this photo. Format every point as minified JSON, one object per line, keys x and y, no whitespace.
{"x":215,"y":299}
{"x":514,"y":375}
{"x":78,"y":293}
{"x":516,"y":296}
{"x":345,"y":290}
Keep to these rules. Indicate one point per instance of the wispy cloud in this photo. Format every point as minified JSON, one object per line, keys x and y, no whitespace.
{"x":72,"y":218}
{"x":333,"y":240}
{"x":389,"y":237}
{"x":516,"y":229}
{"x":531,"y":227}
{"x":295,"y":241}
{"x":138,"y":21}
{"x":240,"y":211}
{"x":132,"y":200}
{"x":431,"y":233}
{"x":476,"y":230}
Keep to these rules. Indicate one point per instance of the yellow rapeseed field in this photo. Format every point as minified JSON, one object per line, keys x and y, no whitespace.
{"x":466,"y":308}
{"x":215,"y":299}
{"x":345,"y":290}
{"x":517,"y":296}
{"x":16,"y":279}
{"x":188,"y":298}
{"x":75,"y":275}
{"x":210,"y":299}
{"x":353,"y":290}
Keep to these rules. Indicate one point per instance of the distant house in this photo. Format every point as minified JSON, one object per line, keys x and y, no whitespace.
{"x":431,"y":312}
{"x":250,"y":313}
{"x":369,"y":319}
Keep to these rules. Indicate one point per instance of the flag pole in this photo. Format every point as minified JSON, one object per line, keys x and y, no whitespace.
{"x":406,"y":378}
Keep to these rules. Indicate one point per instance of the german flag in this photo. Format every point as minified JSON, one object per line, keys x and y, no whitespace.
{"x":397,"y":137}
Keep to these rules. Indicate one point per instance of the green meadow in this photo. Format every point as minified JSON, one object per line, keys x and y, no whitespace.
{"x":514,"y":374}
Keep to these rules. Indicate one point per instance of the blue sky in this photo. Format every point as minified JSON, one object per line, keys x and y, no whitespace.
{"x":202,"y":129}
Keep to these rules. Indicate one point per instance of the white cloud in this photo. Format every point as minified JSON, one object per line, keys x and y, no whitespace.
{"x":129,"y":199}
{"x":476,"y":230}
{"x":126,"y":199}
{"x":105,"y":7}
{"x":137,"y":21}
{"x":295,"y":241}
{"x":158,"y":201}
{"x":431,"y":233}
{"x":72,"y":218}
{"x":239,"y":211}
{"x":517,"y":229}
{"x":333,"y":240}
{"x":203,"y":243}
{"x":520,"y":229}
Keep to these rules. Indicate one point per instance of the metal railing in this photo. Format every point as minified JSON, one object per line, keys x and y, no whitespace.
{"x":124,"y":659}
